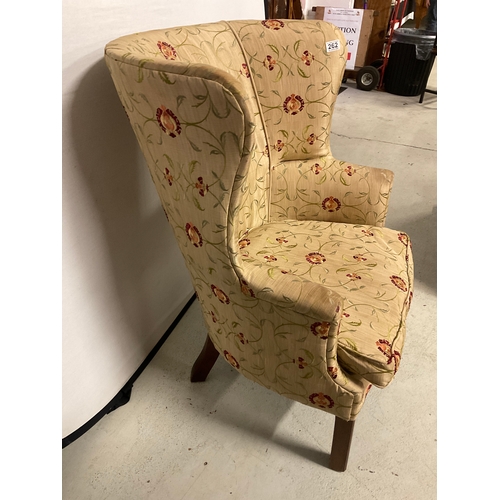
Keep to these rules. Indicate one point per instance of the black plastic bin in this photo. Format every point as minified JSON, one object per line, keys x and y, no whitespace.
{"x":410,"y":61}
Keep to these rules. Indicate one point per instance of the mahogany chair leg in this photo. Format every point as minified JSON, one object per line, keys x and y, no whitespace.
{"x":205,"y":361}
{"x":341,"y":444}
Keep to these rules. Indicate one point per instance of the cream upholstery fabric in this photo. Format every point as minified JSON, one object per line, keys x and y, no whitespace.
{"x":302,"y":287}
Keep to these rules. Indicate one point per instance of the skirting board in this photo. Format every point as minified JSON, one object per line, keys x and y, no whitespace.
{"x":123,"y":395}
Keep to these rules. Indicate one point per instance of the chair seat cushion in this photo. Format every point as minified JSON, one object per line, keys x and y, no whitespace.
{"x":371,"y":268}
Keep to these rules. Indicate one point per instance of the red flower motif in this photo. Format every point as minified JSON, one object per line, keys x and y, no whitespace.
{"x":410,"y":298}
{"x":194,"y":235}
{"x":300,"y":362}
{"x":220,"y":294}
{"x":201,"y":186}
{"x":231,"y":359}
{"x":385,"y":347}
{"x":244,"y":70}
{"x":321,"y":400}
{"x":331,"y":204}
{"x":273,"y":24}
{"x":293,"y":104}
{"x":359,"y":258}
{"x":270,"y":258}
{"x":333,"y":372}
{"x":246,"y":289}
{"x":403,"y":238}
{"x":281,"y":240}
{"x":168,"y":122}
{"x":366,"y":232}
{"x":307,"y":58}
{"x":269,"y":63}
{"x":353,"y":276}
{"x":320,"y":329}
{"x":311,"y":139}
{"x":242,"y":338}
{"x":214,"y":317}
{"x":168,"y":176}
{"x":316,"y":168}
{"x":315,"y":258}
{"x":266,"y":151}
{"x":244,"y":243}
{"x":349,"y":170}
{"x":279,"y":145}
{"x":167,"y":50}
{"x":399,"y":282}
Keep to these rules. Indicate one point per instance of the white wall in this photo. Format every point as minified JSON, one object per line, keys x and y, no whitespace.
{"x":124,"y":279}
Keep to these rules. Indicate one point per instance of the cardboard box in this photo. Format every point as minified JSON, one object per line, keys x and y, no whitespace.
{"x":356,"y":24}
{"x":340,"y":4}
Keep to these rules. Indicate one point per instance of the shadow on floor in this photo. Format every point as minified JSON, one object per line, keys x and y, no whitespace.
{"x":234,"y":401}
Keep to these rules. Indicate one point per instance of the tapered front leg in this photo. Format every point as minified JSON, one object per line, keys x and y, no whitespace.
{"x":341,"y":444}
{"x":205,"y":361}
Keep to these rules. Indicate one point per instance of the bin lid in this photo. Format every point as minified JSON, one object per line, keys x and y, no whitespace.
{"x":414,"y":35}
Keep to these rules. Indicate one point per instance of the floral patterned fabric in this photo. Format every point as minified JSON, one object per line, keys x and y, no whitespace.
{"x":302,"y":288}
{"x":330,"y":190}
{"x":297,"y":82}
{"x":370,"y":267}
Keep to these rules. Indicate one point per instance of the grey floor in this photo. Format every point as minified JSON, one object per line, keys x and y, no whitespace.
{"x":230,"y":439}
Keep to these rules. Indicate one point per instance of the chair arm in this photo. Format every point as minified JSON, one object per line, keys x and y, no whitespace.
{"x":330,"y":190}
{"x":299,"y":320}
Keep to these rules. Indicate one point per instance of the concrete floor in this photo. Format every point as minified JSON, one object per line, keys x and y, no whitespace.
{"x":228,"y":438}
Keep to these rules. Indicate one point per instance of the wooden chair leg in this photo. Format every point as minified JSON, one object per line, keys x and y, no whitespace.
{"x":205,"y":361}
{"x":341,"y":444}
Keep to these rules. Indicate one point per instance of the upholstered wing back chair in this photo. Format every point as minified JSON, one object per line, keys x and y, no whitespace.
{"x":303,"y":289}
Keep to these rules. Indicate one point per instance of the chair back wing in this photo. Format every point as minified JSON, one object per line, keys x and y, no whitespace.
{"x":212,"y":112}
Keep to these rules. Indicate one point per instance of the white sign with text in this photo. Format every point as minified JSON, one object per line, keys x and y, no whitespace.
{"x":349,"y":22}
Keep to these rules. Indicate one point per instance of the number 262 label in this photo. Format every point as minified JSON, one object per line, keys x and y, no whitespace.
{"x":332,"y":45}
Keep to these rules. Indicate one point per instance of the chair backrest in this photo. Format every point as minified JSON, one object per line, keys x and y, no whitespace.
{"x":214,"y":107}
{"x":297,"y":69}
